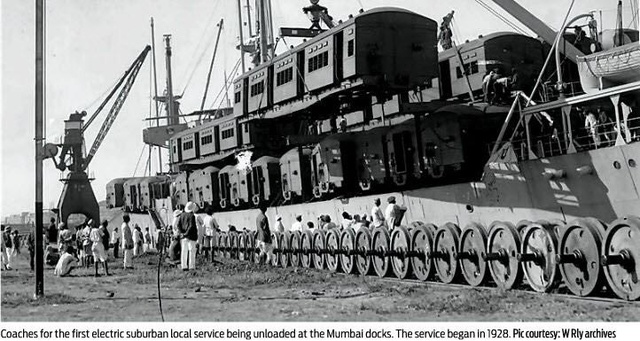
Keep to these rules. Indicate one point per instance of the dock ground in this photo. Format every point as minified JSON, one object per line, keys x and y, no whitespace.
{"x":234,"y":290}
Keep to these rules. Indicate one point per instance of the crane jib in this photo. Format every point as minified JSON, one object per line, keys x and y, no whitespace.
{"x":128,"y":79}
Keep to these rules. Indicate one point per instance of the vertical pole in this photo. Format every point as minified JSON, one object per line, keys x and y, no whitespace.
{"x":241,"y":35}
{"x":173,"y":117}
{"x":213,"y":58}
{"x":249,"y":19}
{"x":155,"y":88}
{"x":39,"y":106}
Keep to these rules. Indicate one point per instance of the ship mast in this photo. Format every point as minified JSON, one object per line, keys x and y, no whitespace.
{"x":261,"y":46}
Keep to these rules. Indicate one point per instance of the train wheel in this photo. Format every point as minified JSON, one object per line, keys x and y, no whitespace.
{"x":306,"y":246}
{"x":235,"y":245}
{"x":251,"y":247}
{"x":225,"y":245}
{"x":422,"y":244}
{"x":242,"y":246}
{"x":295,"y":248}
{"x":363,"y":246}
{"x":522,"y":225}
{"x":285,"y":249}
{"x":445,"y":252}
{"x":538,"y":256}
{"x":219,"y":245}
{"x":380,"y":247}
{"x":319,"y":247}
{"x":473,"y":243}
{"x":621,"y":257}
{"x":401,"y":245}
{"x":332,"y":243}
{"x":579,"y":257}
{"x":503,"y":248}
{"x":348,"y":246}
{"x":275,"y":240}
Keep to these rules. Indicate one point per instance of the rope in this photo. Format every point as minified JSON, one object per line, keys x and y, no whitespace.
{"x":295,"y":65}
{"x":501,"y":17}
{"x":158,"y":281}
{"x":198,"y":46}
{"x":139,"y":158}
{"x":230,"y":79}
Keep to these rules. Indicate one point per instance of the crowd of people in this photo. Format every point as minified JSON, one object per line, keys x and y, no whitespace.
{"x":390,"y":219}
{"x":190,"y":235}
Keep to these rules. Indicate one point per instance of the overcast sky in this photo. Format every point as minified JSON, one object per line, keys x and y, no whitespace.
{"x":90,"y":43}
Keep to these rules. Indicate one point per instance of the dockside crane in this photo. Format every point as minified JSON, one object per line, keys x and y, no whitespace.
{"x":77,"y":195}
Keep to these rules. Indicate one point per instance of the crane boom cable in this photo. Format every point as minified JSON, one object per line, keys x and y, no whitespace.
{"x":501,"y":17}
{"x":117,"y":105}
{"x":200,"y":57}
{"x":229,"y":80}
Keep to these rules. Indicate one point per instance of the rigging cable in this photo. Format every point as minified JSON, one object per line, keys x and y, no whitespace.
{"x":298,"y":72}
{"x":501,"y":17}
{"x":198,"y":46}
{"x":235,"y":68}
{"x":139,"y":158}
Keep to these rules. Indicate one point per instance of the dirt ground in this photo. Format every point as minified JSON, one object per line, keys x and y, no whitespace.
{"x":240,"y":291}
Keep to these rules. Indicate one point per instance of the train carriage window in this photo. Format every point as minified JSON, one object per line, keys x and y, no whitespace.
{"x":228,"y":133}
{"x":206,"y":139}
{"x":284,"y":76}
{"x":319,"y":61}
{"x":237,"y":97}
{"x":469,"y":69}
{"x":187,"y":145}
{"x":474,"y":67}
{"x":257,"y":89}
{"x":350,"y":48}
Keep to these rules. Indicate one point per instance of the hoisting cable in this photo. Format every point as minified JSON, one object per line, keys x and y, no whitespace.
{"x":138,"y":163}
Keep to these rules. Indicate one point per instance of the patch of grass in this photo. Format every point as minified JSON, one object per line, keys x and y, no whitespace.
{"x":15,"y":299}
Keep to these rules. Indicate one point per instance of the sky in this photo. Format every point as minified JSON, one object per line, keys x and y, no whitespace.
{"x":90,"y":43}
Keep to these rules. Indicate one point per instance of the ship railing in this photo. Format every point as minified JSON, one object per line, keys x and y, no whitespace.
{"x":550,"y":91}
{"x":584,"y":139}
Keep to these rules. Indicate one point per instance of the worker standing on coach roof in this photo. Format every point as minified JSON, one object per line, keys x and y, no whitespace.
{"x":127,"y":242}
{"x":377,"y":217}
{"x":189,"y":233}
{"x":264,"y":234}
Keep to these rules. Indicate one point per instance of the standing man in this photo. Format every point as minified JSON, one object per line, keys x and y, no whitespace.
{"x":8,"y":248}
{"x":210,"y":232}
{"x":297,"y":225}
{"x":97,"y":247}
{"x":263,"y":237}
{"x":377,"y":217}
{"x":3,"y":249}
{"x":31,"y":246}
{"x":52,"y":232}
{"x":115,"y":242}
{"x":279,"y":224}
{"x":147,"y":240}
{"x":391,"y":212}
{"x":189,"y":232}
{"x":105,"y":237}
{"x":86,"y":243}
{"x":127,"y":242}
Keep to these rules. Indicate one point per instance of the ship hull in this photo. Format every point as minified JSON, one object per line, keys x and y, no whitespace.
{"x":592,"y":186}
